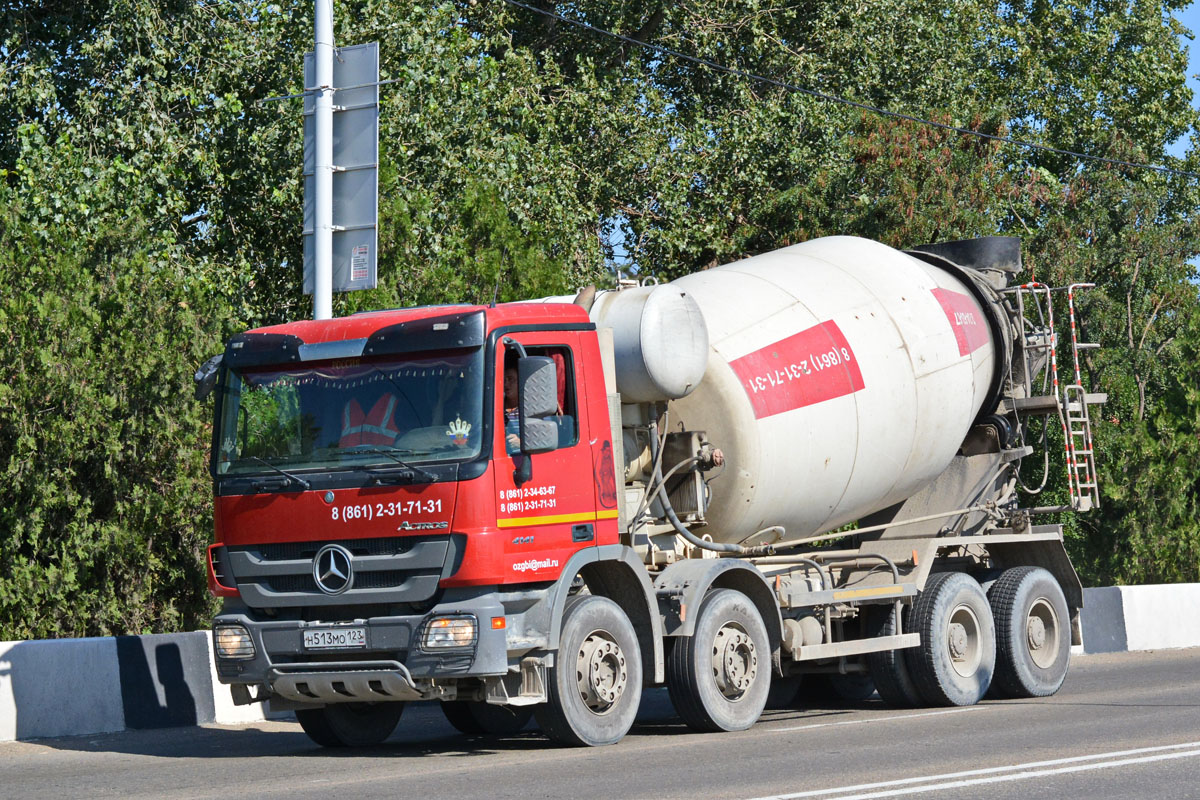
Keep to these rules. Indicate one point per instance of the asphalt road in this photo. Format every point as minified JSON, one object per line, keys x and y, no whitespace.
{"x":1124,"y":725}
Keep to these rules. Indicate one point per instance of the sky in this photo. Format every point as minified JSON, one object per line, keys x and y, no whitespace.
{"x":1190,"y":17}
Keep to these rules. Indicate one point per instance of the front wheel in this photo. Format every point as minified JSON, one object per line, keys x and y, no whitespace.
{"x":350,"y":724}
{"x":719,"y":677}
{"x":954,"y":664}
{"x":1032,"y":633}
{"x":595,"y":686}
{"x":474,"y":718}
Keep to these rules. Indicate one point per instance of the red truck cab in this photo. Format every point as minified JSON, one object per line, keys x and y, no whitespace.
{"x":384,"y":528}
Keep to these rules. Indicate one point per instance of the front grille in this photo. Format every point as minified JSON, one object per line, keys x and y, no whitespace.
{"x":389,"y":579}
{"x":399,"y":569}
{"x":290,"y":551}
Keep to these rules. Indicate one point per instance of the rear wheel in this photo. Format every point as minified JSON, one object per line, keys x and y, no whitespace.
{"x":475,"y":718}
{"x":953,"y":665}
{"x":595,"y":685}
{"x":350,"y":724}
{"x":889,"y":668}
{"x":1032,"y":633}
{"x":719,"y":677}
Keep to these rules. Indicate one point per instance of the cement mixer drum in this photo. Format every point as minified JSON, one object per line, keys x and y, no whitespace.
{"x":842,"y":376}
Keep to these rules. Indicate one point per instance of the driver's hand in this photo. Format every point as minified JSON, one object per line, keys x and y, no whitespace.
{"x":513,"y":441}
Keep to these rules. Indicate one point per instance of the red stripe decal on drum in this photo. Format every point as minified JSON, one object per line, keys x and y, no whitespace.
{"x":970,"y":329}
{"x":809,"y":367}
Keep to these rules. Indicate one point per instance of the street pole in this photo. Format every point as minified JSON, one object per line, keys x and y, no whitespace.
{"x":323,"y":172}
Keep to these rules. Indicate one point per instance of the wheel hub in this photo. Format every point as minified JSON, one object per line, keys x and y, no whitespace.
{"x":734,"y":661}
{"x":1043,"y":632}
{"x":1036,"y":630}
{"x":601,"y":672}
{"x":964,"y":643}
{"x":958,"y":642}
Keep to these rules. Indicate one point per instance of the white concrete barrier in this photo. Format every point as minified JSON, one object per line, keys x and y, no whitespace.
{"x":59,"y":687}
{"x":1161,"y":617}
{"x":1103,"y":620}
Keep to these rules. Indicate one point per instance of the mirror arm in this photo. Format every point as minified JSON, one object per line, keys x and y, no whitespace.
{"x":524,"y":471}
{"x":511,"y":342}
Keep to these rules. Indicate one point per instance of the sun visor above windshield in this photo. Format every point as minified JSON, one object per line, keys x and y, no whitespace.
{"x":432,"y":333}
{"x":262,"y":349}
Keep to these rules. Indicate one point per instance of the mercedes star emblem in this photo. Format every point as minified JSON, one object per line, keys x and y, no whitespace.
{"x":332,"y":570}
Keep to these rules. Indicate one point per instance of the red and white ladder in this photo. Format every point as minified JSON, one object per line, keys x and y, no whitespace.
{"x":1071,"y":400}
{"x":1077,"y":425}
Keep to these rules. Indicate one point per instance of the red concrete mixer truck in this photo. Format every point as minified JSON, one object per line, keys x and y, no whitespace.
{"x":801,"y":464}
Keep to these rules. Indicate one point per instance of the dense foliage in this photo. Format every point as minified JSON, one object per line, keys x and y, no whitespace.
{"x":150,"y":207}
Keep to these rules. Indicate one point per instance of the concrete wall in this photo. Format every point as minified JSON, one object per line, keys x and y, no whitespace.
{"x":71,"y":687}
{"x":1157,"y":617}
{"x":59,"y":687}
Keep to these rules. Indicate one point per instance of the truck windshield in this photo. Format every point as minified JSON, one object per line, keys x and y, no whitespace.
{"x":352,"y":413}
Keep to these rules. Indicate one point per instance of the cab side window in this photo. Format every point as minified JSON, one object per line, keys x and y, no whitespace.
{"x":567,"y":417}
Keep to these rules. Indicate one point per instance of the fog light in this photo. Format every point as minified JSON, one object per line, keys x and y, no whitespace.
{"x":448,"y":632}
{"x":233,"y":641}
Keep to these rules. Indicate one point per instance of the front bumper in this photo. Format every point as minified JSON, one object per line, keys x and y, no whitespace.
{"x":391,"y":666}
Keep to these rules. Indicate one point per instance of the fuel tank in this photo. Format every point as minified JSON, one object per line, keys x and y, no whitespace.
{"x":841,"y":377}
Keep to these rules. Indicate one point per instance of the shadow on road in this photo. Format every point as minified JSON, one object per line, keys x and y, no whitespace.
{"x":423,"y":731}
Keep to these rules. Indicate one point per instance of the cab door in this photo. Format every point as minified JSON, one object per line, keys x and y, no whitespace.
{"x":546,"y":519}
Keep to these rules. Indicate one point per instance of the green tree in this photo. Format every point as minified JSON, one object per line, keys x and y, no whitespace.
{"x":151,"y":206}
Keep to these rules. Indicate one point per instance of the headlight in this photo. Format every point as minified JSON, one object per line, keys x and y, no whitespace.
{"x":233,"y":641}
{"x":441,"y":632}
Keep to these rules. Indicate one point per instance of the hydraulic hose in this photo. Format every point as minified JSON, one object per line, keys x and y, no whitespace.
{"x":672,"y":517}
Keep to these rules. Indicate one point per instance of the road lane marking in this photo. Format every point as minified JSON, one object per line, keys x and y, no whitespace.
{"x":875,"y":719}
{"x":1019,"y":776}
{"x":972,"y":777}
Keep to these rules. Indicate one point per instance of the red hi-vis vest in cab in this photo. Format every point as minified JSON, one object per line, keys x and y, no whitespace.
{"x":374,"y":428}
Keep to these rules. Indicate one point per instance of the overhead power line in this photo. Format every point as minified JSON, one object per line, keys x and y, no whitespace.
{"x":791,"y":87}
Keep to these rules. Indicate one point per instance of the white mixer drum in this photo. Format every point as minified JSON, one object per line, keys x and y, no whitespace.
{"x":842,"y":376}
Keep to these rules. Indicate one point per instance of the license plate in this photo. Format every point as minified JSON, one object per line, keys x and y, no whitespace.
{"x":335,"y":638}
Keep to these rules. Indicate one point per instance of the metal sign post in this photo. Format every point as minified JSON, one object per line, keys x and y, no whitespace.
{"x":354,"y":174}
{"x":322,"y":238}
{"x":341,"y":165}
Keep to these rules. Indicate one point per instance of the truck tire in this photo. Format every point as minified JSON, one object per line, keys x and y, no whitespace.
{"x":350,"y":724}
{"x":476,"y":718}
{"x":852,"y":688}
{"x":953,"y":665}
{"x":719,"y":677}
{"x":1033,"y":640}
{"x":889,"y":668}
{"x":830,"y":689}
{"x":595,"y":686}
{"x":784,"y":692}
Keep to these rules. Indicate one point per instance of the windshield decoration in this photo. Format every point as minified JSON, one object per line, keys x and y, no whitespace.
{"x":460,"y":431}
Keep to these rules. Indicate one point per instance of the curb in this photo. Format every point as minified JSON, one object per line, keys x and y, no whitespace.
{"x":75,"y":687}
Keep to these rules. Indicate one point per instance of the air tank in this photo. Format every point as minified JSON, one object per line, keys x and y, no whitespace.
{"x":660,"y":340}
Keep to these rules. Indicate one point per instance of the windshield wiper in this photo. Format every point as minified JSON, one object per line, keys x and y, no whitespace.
{"x":291,"y":478}
{"x":415,"y":470}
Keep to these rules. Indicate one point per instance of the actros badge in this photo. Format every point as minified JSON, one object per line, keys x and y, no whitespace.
{"x":332,"y":570}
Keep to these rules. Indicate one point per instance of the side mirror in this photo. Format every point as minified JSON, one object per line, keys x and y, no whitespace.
{"x":206,"y":376}
{"x":537,"y":382}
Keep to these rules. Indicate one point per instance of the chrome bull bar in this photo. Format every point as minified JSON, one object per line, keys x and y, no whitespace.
{"x":345,"y":682}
